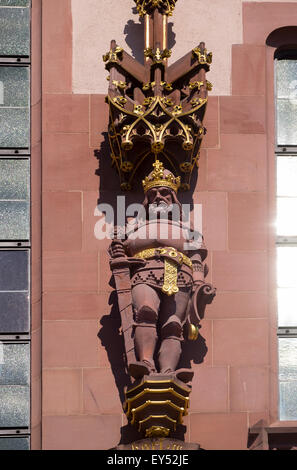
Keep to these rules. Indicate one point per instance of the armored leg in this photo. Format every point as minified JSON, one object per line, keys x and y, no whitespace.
{"x":172,"y":318}
{"x":146,"y":304}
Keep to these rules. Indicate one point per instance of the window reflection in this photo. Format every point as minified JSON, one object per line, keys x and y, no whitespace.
{"x":14,"y":107}
{"x":288,"y":378}
{"x":14,"y":199}
{"x":14,"y":31}
{"x":286,"y":102}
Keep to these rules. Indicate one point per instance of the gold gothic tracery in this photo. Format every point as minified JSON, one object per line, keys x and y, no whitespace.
{"x":145,"y":7}
{"x":156,"y":109}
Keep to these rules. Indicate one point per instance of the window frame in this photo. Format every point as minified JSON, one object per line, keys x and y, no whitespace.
{"x":16,"y":152}
{"x":21,"y":245}
{"x":283,"y":331}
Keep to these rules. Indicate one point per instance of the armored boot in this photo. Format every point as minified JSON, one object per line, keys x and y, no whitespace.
{"x":170,"y":350}
{"x":145,"y":342}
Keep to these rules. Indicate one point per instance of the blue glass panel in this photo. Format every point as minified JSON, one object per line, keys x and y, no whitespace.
{"x":14,"y":199}
{"x":14,"y":86}
{"x":14,"y":180}
{"x":14,"y":406}
{"x":287,"y":121}
{"x":288,"y":378}
{"x":14,"y":31}
{"x":14,"y":443}
{"x":286,"y":78}
{"x":14,"y":271}
{"x":14,"y":312}
{"x":15,"y":3}
{"x":14,"y":385}
{"x":14,"y":220}
{"x":14,"y":364}
{"x":14,"y":128}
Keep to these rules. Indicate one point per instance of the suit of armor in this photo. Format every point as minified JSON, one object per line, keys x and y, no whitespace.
{"x":163,"y":285}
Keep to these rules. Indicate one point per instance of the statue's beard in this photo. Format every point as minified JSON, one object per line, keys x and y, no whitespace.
{"x":161,"y":208}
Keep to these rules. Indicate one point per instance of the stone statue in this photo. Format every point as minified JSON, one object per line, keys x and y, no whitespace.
{"x":167,"y":277}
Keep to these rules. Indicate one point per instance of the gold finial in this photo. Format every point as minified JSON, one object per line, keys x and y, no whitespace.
{"x":161,"y":177}
{"x":146,"y":7}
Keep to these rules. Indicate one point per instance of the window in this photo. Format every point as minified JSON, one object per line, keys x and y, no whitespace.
{"x":15,"y":224}
{"x":286,"y":156}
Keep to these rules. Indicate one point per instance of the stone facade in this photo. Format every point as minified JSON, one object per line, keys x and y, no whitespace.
{"x":82,"y":370}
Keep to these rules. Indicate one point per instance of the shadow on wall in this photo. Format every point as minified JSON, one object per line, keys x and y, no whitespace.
{"x":109,"y":333}
{"x":135,"y":37}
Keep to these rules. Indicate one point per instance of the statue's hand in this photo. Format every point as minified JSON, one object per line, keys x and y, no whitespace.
{"x":116,"y":249}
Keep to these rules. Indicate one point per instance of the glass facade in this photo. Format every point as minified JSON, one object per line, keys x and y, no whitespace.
{"x":15,"y":31}
{"x":14,"y":199}
{"x":14,"y":107}
{"x":15,"y":252}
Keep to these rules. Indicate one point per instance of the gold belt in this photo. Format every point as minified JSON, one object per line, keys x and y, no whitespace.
{"x":172,"y":258}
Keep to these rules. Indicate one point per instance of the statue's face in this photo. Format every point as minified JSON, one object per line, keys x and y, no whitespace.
{"x":160,"y":199}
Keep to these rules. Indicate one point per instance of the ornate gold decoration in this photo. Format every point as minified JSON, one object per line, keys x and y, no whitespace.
{"x":148,"y":86}
{"x":177,"y":109}
{"x":159,"y":178}
{"x":127,"y":167}
{"x":167,"y":86}
{"x":157,"y":56}
{"x":148,"y":101}
{"x":113,"y":55}
{"x":170,"y":277}
{"x":126,"y":187}
{"x":128,"y":405}
{"x":193,"y":332}
{"x":182,"y":388}
{"x":146,"y":7}
{"x":168,"y":102}
{"x":170,"y":265}
{"x":209,"y":85}
{"x":157,"y":431}
{"x":120,"y":100}
{"x":204,"y":57}
{"x":119,"y":84}
{"x":186,"y":167}
{"x":155,"y":404}
{"x":194,"y":85}
{"x":156,"y":444}
{"x":138,"y":109}
{"x":151,"y":252}
{"x":196,"y":102}
{"x":156,"y":110}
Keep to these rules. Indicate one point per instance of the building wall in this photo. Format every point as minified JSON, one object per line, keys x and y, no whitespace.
{"x":235,"y":382}
{"x":219,"y":23}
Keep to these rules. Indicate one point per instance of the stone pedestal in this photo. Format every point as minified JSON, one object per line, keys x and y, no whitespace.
{"x":156,"y":404}
{"x":159,"y":444}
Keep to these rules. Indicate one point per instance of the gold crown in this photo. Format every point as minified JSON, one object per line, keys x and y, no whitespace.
{"x":158,"y":178}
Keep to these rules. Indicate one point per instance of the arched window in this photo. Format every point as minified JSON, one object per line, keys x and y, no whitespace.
{"x":286,"y":165}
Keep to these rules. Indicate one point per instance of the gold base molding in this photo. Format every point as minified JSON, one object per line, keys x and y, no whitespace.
{"x":156,"y":404}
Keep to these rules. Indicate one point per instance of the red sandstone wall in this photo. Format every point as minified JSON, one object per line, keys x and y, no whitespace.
{"x":235,"y":385}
